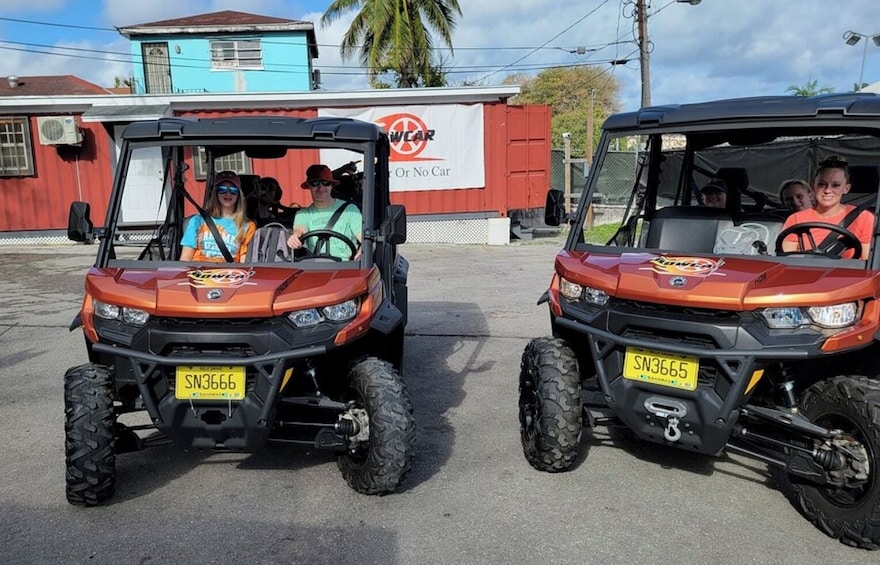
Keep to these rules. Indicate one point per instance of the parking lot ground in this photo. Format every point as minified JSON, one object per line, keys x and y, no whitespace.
{"x":470,"y":498}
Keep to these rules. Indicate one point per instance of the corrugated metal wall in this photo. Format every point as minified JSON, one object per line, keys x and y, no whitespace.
{"x":63,"y":174}
{"x":517,"y":172}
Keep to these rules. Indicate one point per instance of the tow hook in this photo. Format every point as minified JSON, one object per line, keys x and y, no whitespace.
{"x":670,"y":410}
{"x":672,"y":433}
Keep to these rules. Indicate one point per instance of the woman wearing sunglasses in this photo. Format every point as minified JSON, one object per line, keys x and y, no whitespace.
{"x":829,"y":186}
{"x":226,"y":206}
{"x":320,"y":182}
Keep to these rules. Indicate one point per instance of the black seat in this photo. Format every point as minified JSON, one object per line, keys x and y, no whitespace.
{"x":737,"y":179}
{"x":864,"y":179}
{"x":687,"y":228}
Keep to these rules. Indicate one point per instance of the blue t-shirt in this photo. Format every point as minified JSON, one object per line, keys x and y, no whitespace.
{"x":198,"y":236}
{"x":349,"y":224}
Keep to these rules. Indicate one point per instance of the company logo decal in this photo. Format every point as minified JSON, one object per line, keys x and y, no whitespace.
{"x":409,"y":136}
{"x":685,"y":266}
{"x":218,"y":278}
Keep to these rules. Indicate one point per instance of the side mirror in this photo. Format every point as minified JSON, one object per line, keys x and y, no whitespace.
{"x":394,"y":227}
{"x":79,"y":223}
{"x":554,"y":207}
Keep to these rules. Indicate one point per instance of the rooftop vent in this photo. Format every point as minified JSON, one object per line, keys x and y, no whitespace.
{"x":13,"y":81}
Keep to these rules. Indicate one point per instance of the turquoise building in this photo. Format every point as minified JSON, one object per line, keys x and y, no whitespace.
{"x":223,"y":52}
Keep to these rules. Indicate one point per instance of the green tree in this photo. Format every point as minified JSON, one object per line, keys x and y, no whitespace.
{"x":395,"y":36}
{"x":570,"y":92}
{"x":809,"y":88}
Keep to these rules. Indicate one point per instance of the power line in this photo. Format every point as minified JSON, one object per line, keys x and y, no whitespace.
{"x":548,"y":41}
{"x":328,"y":45}
{"x":118,"y":57}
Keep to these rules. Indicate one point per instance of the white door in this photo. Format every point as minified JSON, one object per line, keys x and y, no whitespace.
{"x":143,"y":200}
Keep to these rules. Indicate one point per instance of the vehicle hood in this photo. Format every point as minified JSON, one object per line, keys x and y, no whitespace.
{"x":735,"y":283}
{"x":226,"y":291}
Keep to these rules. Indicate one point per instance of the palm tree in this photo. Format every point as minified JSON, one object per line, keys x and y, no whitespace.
{"x":391,"y":35}
{"x":810,"y":88}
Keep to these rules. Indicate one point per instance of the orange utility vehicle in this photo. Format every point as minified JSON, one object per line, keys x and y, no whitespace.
{"x":693,"y":328}
{"x":292,"y":347}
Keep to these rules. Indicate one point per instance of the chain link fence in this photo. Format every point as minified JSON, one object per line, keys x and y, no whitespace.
{"x":617,"y":177}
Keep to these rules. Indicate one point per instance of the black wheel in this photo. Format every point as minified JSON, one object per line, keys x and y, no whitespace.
{"x":847,"y":239}
{"x":380,"y":455}
{"x":324,"y":237}
{"x":89,"y":423}
{"x":850,"y":509}
{"x":550,"y":405}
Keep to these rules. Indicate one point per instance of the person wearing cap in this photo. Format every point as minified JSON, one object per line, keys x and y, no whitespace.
{"x":320,"y":182}
{"x":226,"y":206}
{"x":714,"y":194}
{"x":829,"y":185}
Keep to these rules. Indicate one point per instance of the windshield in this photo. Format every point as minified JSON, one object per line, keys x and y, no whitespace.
{"x":240,"y":203}
{"x":732,"y":192}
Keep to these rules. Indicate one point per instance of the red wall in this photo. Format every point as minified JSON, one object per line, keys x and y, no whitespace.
{"x":517,"y":154}
{"x":63,"y":174}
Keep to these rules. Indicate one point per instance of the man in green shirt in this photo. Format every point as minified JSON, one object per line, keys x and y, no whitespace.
{"x":319,"y":182}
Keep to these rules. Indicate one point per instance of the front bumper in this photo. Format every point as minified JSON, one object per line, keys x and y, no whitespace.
{"x":732,"y":354}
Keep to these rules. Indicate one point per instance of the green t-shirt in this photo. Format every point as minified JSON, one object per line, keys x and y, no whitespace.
{"x":349,"y":224}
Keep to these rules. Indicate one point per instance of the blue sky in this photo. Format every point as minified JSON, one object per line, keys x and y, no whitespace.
{"x":716,"y":49}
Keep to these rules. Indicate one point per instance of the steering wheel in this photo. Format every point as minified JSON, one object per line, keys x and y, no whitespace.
{"x":804,"y":235}
{"x":324,"y":237}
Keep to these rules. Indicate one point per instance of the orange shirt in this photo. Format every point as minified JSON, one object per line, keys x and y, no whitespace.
{"x":862,"y":227}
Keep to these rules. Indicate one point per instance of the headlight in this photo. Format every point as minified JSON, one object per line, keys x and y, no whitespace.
{"x":341,"y":312}
{"x":575,"y":291}
{"x":131,"y":316}
{"x":306,"y":318}
{"x":570,"y":290}
{"x":595,"y":296}
{"x":837,"y":316}
{"x":780,"y":318}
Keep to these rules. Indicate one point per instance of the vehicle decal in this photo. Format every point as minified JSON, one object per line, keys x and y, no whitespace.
{"x":213,"y":278}
{"x":685,"y":266}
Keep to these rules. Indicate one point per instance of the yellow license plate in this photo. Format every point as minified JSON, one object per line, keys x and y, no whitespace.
{"x":665,"y":369}
{"x":209,"y":383}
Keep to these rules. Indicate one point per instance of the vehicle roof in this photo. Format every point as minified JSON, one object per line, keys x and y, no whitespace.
{"x":259,"y":127}
{"x":763,"y":108}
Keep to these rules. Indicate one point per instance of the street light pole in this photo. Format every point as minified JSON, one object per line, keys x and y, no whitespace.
{"x":852,"y":38}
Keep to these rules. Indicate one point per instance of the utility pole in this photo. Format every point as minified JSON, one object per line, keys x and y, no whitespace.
{"x":642,"y":23}
{"x":566,"y":138}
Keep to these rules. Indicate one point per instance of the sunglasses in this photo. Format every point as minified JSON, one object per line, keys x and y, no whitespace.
{"x":317,"y":183}
{"x":223,"y":189}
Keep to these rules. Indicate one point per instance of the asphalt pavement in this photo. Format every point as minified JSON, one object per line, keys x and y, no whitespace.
{"x":471,"y":497}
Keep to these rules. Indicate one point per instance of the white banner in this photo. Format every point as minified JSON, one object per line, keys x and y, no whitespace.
{"x":432,"y":147}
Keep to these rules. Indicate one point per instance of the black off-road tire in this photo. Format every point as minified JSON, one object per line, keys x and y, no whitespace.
{"x":379,"y":465}
{"x":852,"y":404}
{"x":550,"y":405}
{"x":89,"y":423}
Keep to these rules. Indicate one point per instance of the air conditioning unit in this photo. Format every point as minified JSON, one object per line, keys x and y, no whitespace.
{"x":59,"y":130}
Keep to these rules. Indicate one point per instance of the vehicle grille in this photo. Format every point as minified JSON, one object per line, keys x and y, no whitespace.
{"x":677,"y":311}
{"x":670,"y":337}
{"x":212,"y":322}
